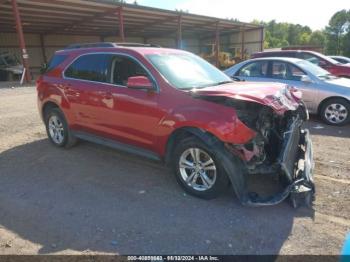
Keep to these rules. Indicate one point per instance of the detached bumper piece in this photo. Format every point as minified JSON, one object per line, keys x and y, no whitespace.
{"x":303,"y":190}
{"x":295,"y":164}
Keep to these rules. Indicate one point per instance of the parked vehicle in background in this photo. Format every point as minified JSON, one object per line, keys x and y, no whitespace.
{"x":323,"y":93}
{"x":10,"y":67}
{"x":341,"y":59}
{"x":171,"y":105}
{"x":327,"y":63}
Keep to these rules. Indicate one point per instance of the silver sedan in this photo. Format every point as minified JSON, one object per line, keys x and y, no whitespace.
{"x":323,"y":93}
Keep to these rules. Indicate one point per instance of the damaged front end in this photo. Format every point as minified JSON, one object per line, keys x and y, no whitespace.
{"x":281,"y":148}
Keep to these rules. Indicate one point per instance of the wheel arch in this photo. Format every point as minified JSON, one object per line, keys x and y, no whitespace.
{"x":183,"y":132}
{"x":232,"y":165}
{"x":327,"y":99}
{"x":46,"y":106}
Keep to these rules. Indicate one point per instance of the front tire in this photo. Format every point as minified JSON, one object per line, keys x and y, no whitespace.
{"x":57,"y":129}
{"x":336,"y":111}
{"x":197,"y":169}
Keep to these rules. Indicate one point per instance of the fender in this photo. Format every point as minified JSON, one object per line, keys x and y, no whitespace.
{"x":52,"y":94}
{"x":219,"y":120}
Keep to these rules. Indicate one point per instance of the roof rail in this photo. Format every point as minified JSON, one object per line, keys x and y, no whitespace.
{"x":108,"y":44}
{"x":89,"y":45}
{"x":136,"y":45}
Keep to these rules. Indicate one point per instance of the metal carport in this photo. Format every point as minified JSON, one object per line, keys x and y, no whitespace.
{"x":112,"y":21}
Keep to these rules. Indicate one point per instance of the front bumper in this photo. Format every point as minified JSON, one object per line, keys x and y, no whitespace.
{"x":295,"y":165}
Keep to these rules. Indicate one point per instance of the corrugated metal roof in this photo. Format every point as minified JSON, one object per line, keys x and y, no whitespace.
{"x":92,"y":17}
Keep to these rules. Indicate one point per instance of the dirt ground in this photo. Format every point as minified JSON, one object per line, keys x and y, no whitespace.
{"x":92,"y":199}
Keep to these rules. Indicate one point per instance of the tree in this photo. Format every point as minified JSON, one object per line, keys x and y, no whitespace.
{"x":346,"y":38}
{"x":285,"y":34}
{"x":317,"y":38}
{"x":335,"y":31}
{"x":346,"y":44}
{"x":293,"y":34}
{"x":335,"y":37}
{"x":304,"y":38}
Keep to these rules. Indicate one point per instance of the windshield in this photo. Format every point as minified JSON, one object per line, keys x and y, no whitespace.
{"x":314,"y":69}
{"x":187,"y":71}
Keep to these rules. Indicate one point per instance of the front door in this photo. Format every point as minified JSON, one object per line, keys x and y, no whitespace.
{"x":291,"y":75}
{"x":135,"y":111}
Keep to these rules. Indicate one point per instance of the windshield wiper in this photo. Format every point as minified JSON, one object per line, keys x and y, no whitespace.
{"x":223,"y":82}
{"x":208,"y":85}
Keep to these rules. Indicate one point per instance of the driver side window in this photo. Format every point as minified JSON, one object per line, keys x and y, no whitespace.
{"x":123,"y":68}
{"x":286,"y":71}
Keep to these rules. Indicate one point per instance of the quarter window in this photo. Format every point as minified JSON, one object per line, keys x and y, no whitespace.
{"x":55,"y":61}
{"x":92,"y":67}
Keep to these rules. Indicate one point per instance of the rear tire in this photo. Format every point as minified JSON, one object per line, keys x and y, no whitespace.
{"x":197,"y":169}
{"x":336,"y":112}
{"x":57,"y":129}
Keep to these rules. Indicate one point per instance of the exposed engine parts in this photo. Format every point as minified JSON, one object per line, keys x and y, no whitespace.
{"x":280,"y":148}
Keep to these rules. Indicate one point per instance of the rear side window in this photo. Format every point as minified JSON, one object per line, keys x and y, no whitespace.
{"x":255,"y":69}
{"x":55,"y":61}
{"x":94,"y":67}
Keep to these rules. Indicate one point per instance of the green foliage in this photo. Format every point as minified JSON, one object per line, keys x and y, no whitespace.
{"x":317,"y":38}
{"x":285,"y":34}
{"x":338,"y":33}
{"x":335,"y":38}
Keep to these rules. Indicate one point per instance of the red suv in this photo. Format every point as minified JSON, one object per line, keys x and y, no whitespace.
{"x":327,"y":63}
{"x":173,"y":106}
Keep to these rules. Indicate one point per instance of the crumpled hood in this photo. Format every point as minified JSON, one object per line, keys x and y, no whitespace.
{"x":269,"y":94}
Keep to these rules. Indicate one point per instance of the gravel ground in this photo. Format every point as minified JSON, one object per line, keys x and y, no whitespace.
{"x":95,"y":200}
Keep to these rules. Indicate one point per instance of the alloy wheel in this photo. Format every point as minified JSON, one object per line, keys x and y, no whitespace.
{"x":56,"y":129}
{"x":197,"y":169}
{"x":336,"y":113}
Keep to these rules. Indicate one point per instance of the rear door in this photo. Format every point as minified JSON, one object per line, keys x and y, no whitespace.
{"x":87,"y":88}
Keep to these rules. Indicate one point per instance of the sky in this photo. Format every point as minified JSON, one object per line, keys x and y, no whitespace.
{"x":313,"y":13}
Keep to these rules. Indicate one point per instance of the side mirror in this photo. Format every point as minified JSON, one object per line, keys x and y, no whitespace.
{"x":305,"y":79}
{"x":139,"y":82}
